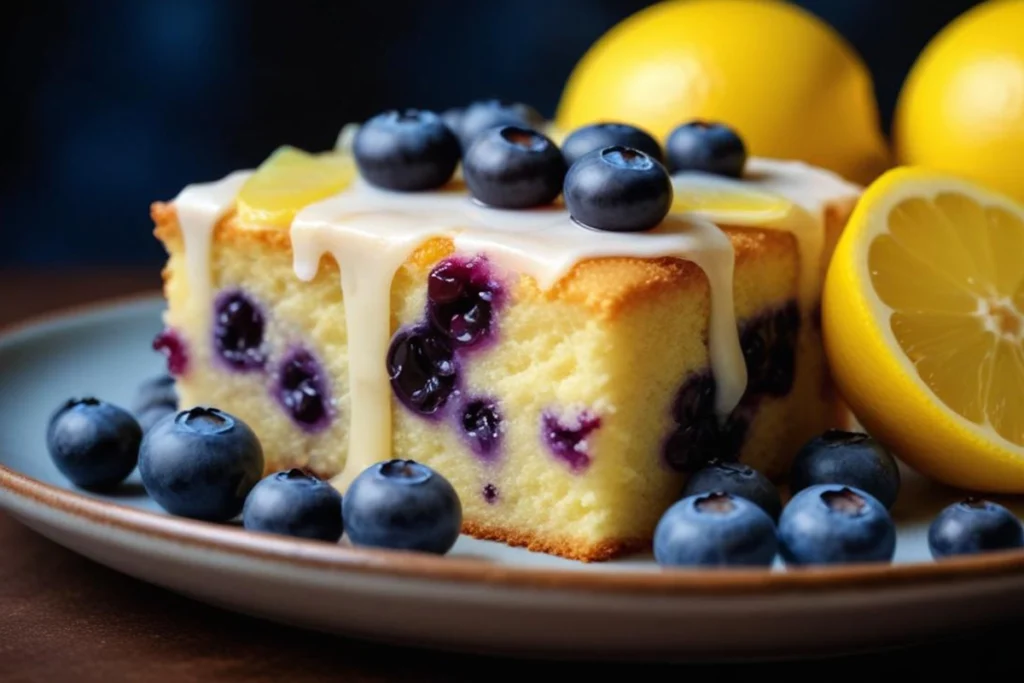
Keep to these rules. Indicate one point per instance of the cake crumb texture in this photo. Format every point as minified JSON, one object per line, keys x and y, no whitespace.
{"x":582,"y":378}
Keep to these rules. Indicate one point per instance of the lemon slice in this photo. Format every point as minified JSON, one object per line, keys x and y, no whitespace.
{"x":923,"y":318}
{"x":724,"y":200}
{"x":289,"y":180}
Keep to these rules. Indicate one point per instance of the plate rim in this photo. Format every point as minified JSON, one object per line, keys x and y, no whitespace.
{"x":386,"y":563}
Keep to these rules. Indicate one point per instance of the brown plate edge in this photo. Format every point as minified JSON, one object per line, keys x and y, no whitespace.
{"x":400,"y":564}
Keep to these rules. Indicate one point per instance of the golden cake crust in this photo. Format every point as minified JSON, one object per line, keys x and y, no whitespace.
{"x":605,"y":286}
{"x":569,"y":548}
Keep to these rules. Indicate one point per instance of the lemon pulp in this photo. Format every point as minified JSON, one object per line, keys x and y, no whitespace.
{"x":952,"y":271}
{"x":289,"y":180}
{"x":724,"y":200}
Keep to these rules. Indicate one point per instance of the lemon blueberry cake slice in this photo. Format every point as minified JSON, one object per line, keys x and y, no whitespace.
{"x":564,"y":342}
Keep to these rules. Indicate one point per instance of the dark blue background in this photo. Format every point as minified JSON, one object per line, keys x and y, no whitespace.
{"x":109,"y":105}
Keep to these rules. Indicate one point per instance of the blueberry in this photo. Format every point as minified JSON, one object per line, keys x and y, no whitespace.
{"x":409,"y":151}
{"x":700,"y":437}
{"x":93,"y":443}
{"x":484,"y":115}
{"x":238,"y":330}
{"x":769,"y":344}
{"x":490,"y":494}
{"x":171,"y":344}
{"x":835,"y":524}
{"x":587,"y":139}
{"x":154,"y":392}
{"x":566,"y":437}
{"x":482,"y":425}
{"x":421,"y":366}
{"x":715,"y":529}
{"x":974,"y":526}
{"x":301,"y":390}
{"x":849,"y":458}
{"x":618,"y":189}
{"x":707,"y":147}
{"x":461,"y":298}
{"x":453,"y":119}
{"x":404,"y":505}
{"x":738,"y":480}
{"x":201,"y":463}
{"x":512,"y":167}
{"x":153,"y":414}
{"x":294,"y":503}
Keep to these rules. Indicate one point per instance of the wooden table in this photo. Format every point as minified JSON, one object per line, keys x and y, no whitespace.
{"x":65,"y":618}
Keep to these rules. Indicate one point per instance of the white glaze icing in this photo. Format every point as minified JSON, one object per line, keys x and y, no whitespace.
{"x":809,"y":189}
{"x":199,"y":208}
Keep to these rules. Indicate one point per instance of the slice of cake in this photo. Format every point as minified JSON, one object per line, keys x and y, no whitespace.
{"x":377,"y":302}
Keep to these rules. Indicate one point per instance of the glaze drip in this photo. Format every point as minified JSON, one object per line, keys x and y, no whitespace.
{"x":199,"y":208}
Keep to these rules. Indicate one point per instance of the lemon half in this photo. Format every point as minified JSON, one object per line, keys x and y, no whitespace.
{"x":923,"y":321}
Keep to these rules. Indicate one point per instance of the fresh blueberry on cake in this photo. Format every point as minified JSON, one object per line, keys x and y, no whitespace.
{"x":834,"y":524}
{"x":93,"y":443}
{"x":715,"y":529}
{"x":511,"y":167}
{"x":485,"y":115}
{"x":972,"y":526}
{"x":618,"y":189}
{"x":565,"y":345}
{"x":410,"y":151}
{"x":710,"y":147}
{"x":294,"y":503}
{"x":587,"y":139}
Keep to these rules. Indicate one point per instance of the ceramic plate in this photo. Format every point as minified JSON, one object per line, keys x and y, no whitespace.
{"x":483,"y":596}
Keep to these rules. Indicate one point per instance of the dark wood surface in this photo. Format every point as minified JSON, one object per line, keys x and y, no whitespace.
{"x":65,"y":618}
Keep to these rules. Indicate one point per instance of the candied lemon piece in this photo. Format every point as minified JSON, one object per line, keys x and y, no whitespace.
{"x":923,"y":318}
{"x":726,"y":200}
{"x":289,"y":180}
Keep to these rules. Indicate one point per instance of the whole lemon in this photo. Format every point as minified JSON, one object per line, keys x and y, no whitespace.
{"x":785,"y":80}
{"x":961,"y":109}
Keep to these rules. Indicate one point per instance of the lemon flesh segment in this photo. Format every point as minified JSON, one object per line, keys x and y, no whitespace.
{"x":289,"y":180}
{"x":951,"y":269}
{"x":723,"y":200}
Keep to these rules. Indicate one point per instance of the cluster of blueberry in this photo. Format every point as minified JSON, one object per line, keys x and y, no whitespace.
{"x":424,"y":359}
{"x":239,"y":339}
{"x":203,"y":463}
{"x":206,"y":464}
{"x":768,"y":342}
{"x":613,"y":176}
{"x":843,"y":485}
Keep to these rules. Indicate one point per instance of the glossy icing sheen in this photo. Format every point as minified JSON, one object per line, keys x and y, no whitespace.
{"x":371,"y":232}
{"x":200,"y":207}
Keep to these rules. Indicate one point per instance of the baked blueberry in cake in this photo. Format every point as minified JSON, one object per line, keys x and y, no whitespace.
{"x":564,"y":342}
